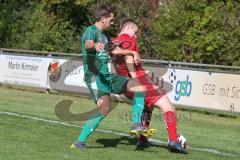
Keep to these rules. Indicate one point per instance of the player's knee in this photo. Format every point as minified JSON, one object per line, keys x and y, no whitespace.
{"x":165,"y":104}
{"x":140,"y":87}
{"x":144,"y":89}
{"x":136,"y":86}
{"x":107,"y":108}
{"x":104,"y":109}
{"x":104,"y":105}
{"x":168,"y":108}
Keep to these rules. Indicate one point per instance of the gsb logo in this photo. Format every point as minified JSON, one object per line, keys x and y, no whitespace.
{"x":183,"y":88}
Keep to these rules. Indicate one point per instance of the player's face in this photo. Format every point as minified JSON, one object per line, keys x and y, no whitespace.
{"x":131,"y":30}
{"x":108,"y":21}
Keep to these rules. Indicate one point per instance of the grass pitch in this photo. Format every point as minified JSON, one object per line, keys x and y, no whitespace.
{"x":26,"y":138}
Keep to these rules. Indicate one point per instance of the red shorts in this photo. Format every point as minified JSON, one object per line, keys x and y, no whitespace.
{"x":153,"y":93}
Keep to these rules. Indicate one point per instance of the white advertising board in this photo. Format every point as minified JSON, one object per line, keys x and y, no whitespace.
{"x":205,"y":89}
{"x":184,"y":87}
{"x":23,"y":70}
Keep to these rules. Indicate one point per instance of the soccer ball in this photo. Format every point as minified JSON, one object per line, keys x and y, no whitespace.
{"x":172,"y":75}
{"x":183,"y":141}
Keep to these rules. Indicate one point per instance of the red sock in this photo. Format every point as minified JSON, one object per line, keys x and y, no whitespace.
{"x":171,"y":124}
{"x":142,"y":138}
{"x":146,"y":117}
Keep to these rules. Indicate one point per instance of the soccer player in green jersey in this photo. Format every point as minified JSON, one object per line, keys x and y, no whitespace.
{"x":96,"y":73}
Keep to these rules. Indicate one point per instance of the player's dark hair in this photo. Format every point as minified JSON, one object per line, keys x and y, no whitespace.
{"x":104,"y":11}
{"x":126,"y":20}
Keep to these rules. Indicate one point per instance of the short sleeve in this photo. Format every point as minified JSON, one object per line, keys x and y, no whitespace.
{"x":128,"y":42}
{"x":90,"y":35}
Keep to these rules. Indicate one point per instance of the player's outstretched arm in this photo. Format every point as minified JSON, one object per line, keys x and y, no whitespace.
{"x":118,"y":51}
{"x":130,"y":65}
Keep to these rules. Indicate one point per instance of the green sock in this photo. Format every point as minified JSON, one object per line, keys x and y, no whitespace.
{"x":90,"y":125}
{"x":137,"y":107}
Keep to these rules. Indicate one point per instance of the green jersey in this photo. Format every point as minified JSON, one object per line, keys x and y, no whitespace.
{"x":95,"y":62}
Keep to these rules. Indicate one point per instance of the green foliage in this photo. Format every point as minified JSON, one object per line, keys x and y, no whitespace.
{"x":142,"y":11}
{"x":200,"y":31}
{"x":184,"y":30}
{"x":34,"y":26}
{"x":41,"y":34}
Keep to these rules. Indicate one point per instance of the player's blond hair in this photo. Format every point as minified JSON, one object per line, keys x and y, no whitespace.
{"x":127,"y":23}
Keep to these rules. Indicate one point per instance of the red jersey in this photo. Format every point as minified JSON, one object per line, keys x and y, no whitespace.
{"x":154,"y":93}
{"x":124,"y":41}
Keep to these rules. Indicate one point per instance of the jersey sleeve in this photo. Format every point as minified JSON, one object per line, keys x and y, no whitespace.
{"x":90,"y":35}
{"x":128,"y":43}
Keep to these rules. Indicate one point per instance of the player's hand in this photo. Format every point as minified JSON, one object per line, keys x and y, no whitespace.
{"x":136,"y":57}
{"x":99,"y":46}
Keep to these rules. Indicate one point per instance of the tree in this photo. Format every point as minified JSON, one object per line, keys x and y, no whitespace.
{"x":199,"y":31}
{"x":36,"y":26}
{"x":181,"y":30}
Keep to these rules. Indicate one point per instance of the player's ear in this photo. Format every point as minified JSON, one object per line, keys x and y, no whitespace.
{"x":102,"y":19}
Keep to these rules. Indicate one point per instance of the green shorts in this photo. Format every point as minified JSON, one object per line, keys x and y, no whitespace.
{"x":105,"y":85}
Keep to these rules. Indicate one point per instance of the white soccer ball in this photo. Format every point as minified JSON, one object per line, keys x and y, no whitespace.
{"x":183,"y":141}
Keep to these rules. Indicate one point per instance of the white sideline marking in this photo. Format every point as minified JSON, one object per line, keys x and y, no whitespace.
{"x":111,"y":132}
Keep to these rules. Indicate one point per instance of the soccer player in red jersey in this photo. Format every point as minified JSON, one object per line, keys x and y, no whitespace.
{"x":155,"y":96}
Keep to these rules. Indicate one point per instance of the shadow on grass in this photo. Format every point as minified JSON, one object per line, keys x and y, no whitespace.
{"x":127,"y":141}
